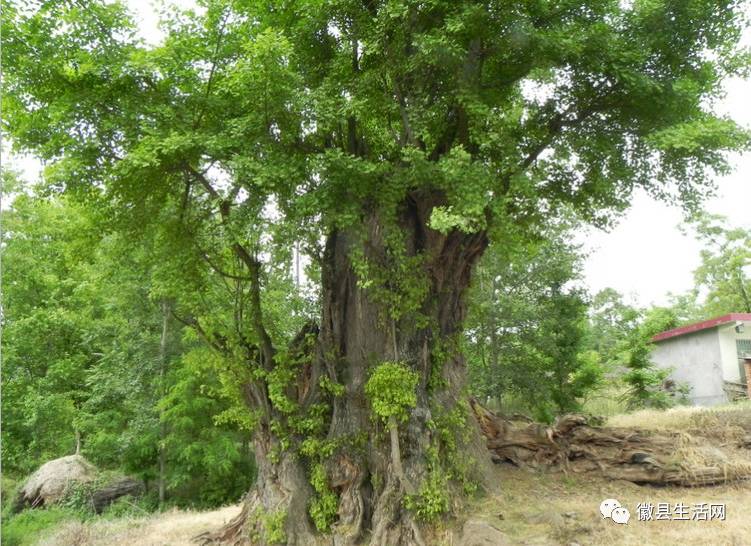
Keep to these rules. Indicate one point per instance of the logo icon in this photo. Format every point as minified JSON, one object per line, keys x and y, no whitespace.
{"x":611,"y":508}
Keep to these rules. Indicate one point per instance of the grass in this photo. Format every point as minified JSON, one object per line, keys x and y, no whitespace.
{"x":607,"y":401}
{"x":173,"y":528}
{"x":531,"y":507}
{"x":540,"y":508}
{"x":28,"y":527}
{"x":686,"y":417}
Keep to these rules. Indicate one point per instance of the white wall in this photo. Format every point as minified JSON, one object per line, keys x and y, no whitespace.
{"x":697,"y":360}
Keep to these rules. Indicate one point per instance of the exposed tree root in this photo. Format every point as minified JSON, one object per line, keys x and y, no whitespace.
{"x":232,"y":533}
{"x":395,"y":524}
{"x":639,"y":456}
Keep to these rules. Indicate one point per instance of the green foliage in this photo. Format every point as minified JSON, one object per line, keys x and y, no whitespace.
{"x":527,"y":326}
{"x":273,"y":527}
{"x":324,"y":506}
{"x":391,"y":390}
{"x":610,"y":321}
{"x":49,"y":304}
{"x":452,"y":432}
{"x":29,"y":526}
{"x":78,"y":497}
{"x":129,"y":507}
{"x":336,"y":389}
{"x":724,"y":269}
{"x":208,"y":462}
{"x":432,"y":499}
{"x":81,"y":353}
{"x":644,"y":379}
{"x":393,"y":279}
{"x":252,"y":129}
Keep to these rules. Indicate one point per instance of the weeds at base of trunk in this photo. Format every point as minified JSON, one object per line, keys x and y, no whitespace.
{"x":444,"y":466}
{"x":432,"y":499}
{"x":269,"y":524}
{"x":273,"y":525}
{"x":452,"y":429}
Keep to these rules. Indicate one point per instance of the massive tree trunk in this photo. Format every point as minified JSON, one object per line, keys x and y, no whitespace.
{"x":358,"y":329}
{"x":374,"y":468}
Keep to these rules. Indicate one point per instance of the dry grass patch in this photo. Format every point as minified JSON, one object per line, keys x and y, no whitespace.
{"x":538,"y":508}
{"x":729,"y":420}
{"x":174,"y":528}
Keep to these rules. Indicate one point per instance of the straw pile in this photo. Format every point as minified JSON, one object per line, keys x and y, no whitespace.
{"x":51,"y":481}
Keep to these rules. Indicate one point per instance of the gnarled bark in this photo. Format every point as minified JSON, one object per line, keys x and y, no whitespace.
{"x":281,"y":488}
{"x":356,"y":334}
{"x":359,"y":331}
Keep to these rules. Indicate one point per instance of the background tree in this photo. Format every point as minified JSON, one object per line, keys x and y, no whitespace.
{"x":404,"y":135}
{"x":725,"y":265}
{"x":82,"y":363}
{"x":610,"y":321}
{"x":645,"y":381}
{"x":526,"y":326}
{"x":48,"y":305}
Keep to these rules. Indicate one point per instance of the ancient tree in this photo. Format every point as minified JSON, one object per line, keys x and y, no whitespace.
{"x":389,"y":141}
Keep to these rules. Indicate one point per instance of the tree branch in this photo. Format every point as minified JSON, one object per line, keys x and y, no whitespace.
{"x":221,"y":271}
{"x":191,"y":322}
{"x":254,"y":270}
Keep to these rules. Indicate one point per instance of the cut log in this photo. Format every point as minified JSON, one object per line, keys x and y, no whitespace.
{"x":102,"y":498}
{"x":639,"y":456}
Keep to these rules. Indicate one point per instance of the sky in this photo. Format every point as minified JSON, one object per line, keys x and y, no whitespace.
{"x":646,"y":256}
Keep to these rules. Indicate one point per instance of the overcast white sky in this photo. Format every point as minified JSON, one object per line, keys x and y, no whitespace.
{"x":645,"y":256}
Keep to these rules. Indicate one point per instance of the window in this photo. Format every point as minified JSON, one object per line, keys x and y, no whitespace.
{"x":744,"y":348}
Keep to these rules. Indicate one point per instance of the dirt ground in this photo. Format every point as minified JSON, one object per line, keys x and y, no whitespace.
{"x":532,"y":507}
{"x":536,"y":508}
{"x":541,"y":507}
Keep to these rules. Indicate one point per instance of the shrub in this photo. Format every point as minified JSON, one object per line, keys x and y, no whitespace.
{"x":26,"y":528}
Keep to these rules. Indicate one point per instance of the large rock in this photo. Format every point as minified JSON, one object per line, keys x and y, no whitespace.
{"x":48,"y":484}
